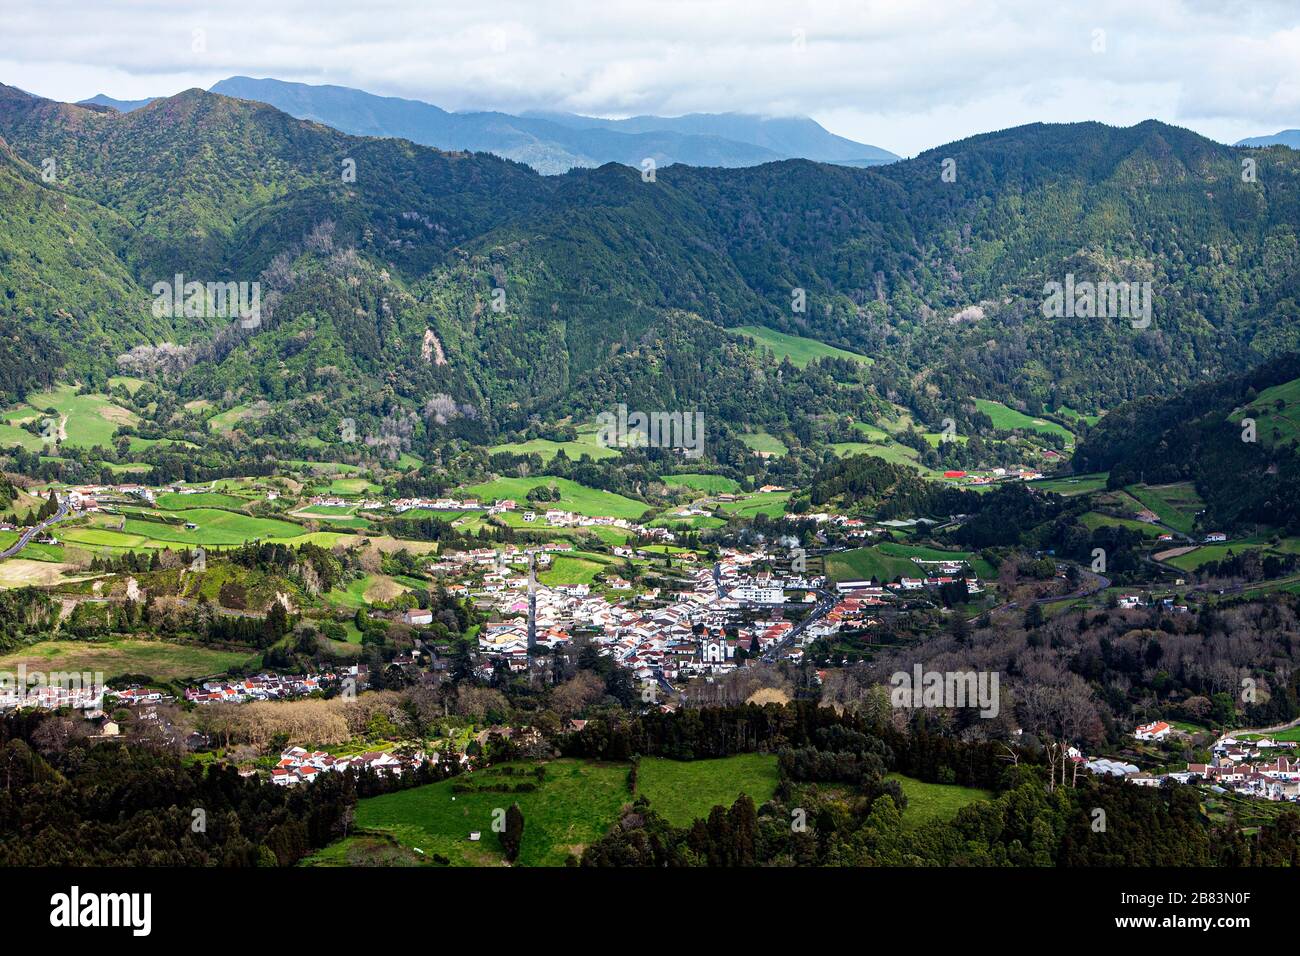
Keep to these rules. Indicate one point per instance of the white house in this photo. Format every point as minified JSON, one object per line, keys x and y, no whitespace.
{"x":1158,"y":730}
{"x":754,"y":594}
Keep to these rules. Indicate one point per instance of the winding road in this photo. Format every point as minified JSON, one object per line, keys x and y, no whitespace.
{"x":27,"y":536}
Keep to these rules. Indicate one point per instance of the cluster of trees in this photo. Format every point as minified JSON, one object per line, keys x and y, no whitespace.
{"x":316,"y":568}
{"x":1252,"y":564}
{"x":251,"y":631}
{"x":1089,"y":676}
{"x":34,"y":516}
{"x":78,"y":808}
{"x":25,"y":613}
{"x":64,"y":803}
{"x":834,"y":807}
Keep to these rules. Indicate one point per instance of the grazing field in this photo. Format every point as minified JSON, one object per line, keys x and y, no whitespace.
{"x":1176,"y":505}
{"x":765,"y":444}
{"x":573,"y":497}
{"x":693,"y":523}
{"x":845,"y":448}
{"x":871,"y":432}
{"x":770,"y":503}
{"x":891,"y":451}
{"x":1093,"y":520}
{"x":1276,"y":412}
{"x":796,"y":348}
{"x":861,"y":564}
{"x":11,"y":434}
{"x":1194,"y":559}
{"x":339,"y":511}
{"x":349,"y":522}
{"x":203,"y":499}
{"x":1008,"y":419}
{"x":384,"y":543}
{"x":889,"y":560}
{"x":980,"y":566}
{"x":366,"y":590}
{"x":683,"y":790}
{"x":130,"y":383}
{"x":573,"y":805}
{"x":929,"y":802}
{"x":215,"y":526}
{"x":1074,"y":485}
{"x":157,"y":659}
{"x":577,"y":568}
{"x":935,"y":439}
{"x":229,"y":419}
{"x":610,"y":536}
{"x":712,"y":484}
{"x":548,"y":449}
{"x":321,"y":467}
{"x":367,"y":849}
{"x":128,"y":469}
{"x":106,"y":538}
{"x":88,"y":420}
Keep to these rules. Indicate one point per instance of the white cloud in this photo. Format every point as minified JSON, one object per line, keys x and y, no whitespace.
{"x":906,"y":76}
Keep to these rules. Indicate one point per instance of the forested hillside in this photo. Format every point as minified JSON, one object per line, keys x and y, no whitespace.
{"x":386,"y":280}
{"x":1235,"y":439}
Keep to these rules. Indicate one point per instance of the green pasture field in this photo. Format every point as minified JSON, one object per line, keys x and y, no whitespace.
{"x":798,"y":349}
{"x":930,"y":802}
{"x":1008,"y":419}
{"x":573,"y":497}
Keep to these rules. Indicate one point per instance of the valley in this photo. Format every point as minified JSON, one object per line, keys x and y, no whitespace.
{"x":421,"y":488}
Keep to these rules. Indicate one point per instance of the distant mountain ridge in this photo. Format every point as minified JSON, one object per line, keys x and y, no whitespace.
{"x":122,"y":106}
{"x":557,"y":142}
{"x":1287,"y":137}
{"x":796,"y":137}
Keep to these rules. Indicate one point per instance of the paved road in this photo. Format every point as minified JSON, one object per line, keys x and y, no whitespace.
{"x":31,"y":533}
{"x":825,"y":602}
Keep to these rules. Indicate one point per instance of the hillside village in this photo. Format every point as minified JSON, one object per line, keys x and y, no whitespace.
{"x":697,"y":621}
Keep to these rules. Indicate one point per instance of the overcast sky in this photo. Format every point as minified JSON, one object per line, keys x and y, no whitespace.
{"x":894,"y":73}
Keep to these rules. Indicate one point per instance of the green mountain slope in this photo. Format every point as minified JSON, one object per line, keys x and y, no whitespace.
{"x":1245,"y":476}
{"x":65,"y":296}
{"x":940,"y":282}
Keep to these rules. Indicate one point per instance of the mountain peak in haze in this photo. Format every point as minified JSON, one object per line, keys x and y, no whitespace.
{"x":557,"y":142}
{"x":1287,"y":137}
{"x":122,"y":106}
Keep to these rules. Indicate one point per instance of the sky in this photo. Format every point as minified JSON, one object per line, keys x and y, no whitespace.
{"x":906,"y":76}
